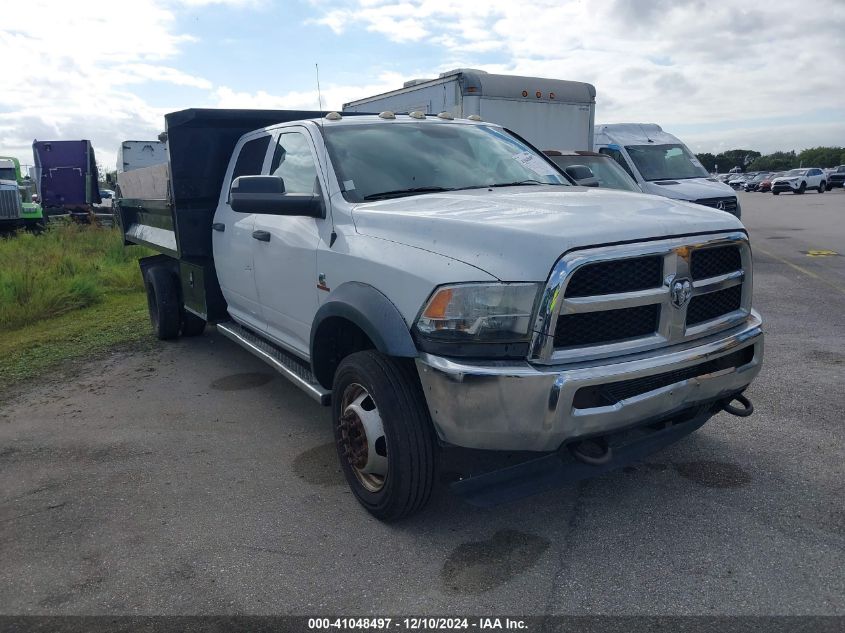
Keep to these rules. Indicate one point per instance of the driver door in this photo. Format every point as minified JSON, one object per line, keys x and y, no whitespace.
{"x":286,"y":261}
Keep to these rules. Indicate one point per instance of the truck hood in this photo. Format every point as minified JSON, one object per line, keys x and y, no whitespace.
{"x":518,"y":234}
{"x":689,"y":189}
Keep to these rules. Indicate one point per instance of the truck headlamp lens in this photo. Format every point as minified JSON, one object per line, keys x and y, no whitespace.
{"x":480,"y":312}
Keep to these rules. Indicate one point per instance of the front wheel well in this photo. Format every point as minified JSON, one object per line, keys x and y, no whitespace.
{"x":335,"y":339}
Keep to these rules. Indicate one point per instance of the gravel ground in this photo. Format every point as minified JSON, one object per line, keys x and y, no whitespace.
{"x":192,"y":480}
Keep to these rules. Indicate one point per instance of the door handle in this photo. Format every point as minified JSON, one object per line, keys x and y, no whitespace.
{"x":261,"y":236}
{"x":218,"y":226}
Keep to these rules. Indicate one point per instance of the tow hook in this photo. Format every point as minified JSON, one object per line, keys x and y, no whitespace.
{"x":746,"y":410}
{"x":594,"y":451}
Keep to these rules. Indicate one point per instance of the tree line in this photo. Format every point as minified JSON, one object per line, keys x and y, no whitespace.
{"x":749,"y":160}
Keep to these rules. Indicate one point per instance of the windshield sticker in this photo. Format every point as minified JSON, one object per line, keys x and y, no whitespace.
{"x":534,"y":163}
{"x":349,"y":185}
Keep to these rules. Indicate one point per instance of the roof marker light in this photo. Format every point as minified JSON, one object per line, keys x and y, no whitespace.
{"x":524,"y":93}
{"x":474,"y":117}
{"x":417,"y":114}
{"x":333,"y":116}
{"x":387,"y":114}
{"x":445,"y":115}
{"x":551,"y":95}
{"x":538,"y":94}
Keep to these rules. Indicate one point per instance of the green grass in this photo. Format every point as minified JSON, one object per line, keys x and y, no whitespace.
{"x":66,"y":268}
{"x":117,"y":320}
{"x":70,"y":293}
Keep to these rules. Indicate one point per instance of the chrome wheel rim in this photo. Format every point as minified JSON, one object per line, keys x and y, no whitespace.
{"x":362,"y":440}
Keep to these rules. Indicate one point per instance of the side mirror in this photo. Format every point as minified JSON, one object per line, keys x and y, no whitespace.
{"x":582,"y":175}
{"x":266,"y":195}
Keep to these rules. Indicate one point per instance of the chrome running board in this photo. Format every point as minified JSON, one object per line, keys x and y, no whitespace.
{"x":294,"y":369}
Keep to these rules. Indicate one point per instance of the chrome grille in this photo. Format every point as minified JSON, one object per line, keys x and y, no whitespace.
{"x":725,"y":204}
{"x":711,"y":262}
{"x":10,"y":204}
{"x":713,"y":305}
{"x":634,"y":310}
{"x":604,"y":278}
{"x":591,"y":328}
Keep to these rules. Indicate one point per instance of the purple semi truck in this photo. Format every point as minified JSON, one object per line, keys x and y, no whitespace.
{"x":67,"y":174}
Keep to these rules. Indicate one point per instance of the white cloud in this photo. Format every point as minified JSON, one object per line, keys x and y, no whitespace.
{"x":81,"y":69}
{"x":73,"y":66}
{"x":672,"y":62}
{"x":333,"y":95}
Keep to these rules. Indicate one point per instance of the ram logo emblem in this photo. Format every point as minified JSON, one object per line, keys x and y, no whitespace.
{"x":681,"y":291}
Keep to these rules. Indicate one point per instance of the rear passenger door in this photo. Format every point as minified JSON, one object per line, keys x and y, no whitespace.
{"x":232,"y":236}
{"x":286,"y":263}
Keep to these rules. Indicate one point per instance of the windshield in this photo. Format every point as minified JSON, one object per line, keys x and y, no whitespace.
{"x":665,"y":162}
{"x":8,"y":173}
{"x":605,"y":169}
{"x":795,"y":172}
{"x":388,"y":160}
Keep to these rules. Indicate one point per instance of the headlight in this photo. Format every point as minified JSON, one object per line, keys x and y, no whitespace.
{"x":479,"y":313}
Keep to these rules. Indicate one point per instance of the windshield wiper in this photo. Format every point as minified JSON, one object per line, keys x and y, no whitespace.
{"x":405,"y":192}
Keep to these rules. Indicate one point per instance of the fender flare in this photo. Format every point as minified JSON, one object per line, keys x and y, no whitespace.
{"x":374,"y":313}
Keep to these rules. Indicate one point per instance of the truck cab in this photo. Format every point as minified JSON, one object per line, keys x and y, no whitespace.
{"x":31,"y":212}
{"x":662,"y":165}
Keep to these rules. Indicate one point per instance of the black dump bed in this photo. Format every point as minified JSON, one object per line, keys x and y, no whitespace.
{"x":199,"y":144}
{"x":170,"y":207}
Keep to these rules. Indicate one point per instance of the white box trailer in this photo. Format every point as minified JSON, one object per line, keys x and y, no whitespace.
{"x":548,"y":113}
{"x":139,"y":154}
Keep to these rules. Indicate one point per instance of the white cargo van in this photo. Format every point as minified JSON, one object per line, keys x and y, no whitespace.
{"x":548,"y":113}
{"x":662,"y":165}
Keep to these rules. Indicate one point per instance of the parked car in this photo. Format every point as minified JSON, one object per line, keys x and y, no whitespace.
{"x":836,"y":178}
{"x":752,"y":184}
{"x":601,"y":170}
{"x":738,"y":181}
{"x":799,"y":180}
{"x":107,"y":198}
{"x":439,"y":283}
{"x":766,"y":184}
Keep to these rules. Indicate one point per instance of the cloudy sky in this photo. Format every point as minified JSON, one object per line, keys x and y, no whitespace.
{"x":763,"y":75}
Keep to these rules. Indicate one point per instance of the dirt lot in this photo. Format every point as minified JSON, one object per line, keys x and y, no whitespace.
{"x":192,"y":480}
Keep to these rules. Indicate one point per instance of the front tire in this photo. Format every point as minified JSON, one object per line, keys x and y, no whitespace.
{"x":822,"y":187}
{"x":383,"y":433}
{"x":774,"y":193}
{"x":802,"y":188}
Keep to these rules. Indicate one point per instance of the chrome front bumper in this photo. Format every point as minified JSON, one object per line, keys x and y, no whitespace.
{"x":508,"y":405}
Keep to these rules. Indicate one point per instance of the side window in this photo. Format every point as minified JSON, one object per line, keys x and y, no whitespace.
{"x":616,"y":155}
{"x":251,"y":159}
{"x":293,"y":162}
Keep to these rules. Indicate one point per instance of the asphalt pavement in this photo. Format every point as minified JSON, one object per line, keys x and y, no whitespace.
{"x":191,"y":479}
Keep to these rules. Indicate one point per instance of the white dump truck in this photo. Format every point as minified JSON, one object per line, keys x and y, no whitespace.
{"x":439,"y":283}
